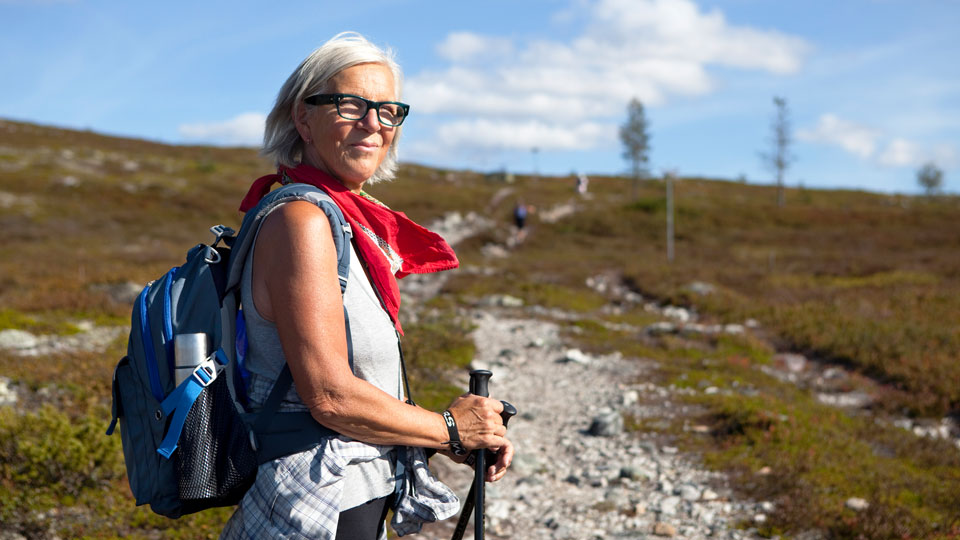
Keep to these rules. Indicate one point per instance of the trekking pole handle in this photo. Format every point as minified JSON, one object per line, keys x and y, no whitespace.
{"x":509,"y":411}
{"x":479,"y":382}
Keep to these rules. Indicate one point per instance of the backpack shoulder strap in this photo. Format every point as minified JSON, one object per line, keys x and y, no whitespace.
{"x":307,"y":430}
{"x":342,"y":233}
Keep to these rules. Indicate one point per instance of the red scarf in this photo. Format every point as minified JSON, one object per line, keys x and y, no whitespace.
{"x":420,"y":250}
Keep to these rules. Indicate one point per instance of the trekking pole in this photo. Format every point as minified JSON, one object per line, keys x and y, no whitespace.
{"x":478,"y":386}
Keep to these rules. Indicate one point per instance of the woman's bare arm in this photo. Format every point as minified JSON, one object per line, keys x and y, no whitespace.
{"x":295,"y":285}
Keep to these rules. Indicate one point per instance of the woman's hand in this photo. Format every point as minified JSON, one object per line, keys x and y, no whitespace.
{"x":478,"y":421}
{"x":480,"y":426}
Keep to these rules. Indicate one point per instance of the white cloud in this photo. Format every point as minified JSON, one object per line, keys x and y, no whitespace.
{"x":900,"y":153}
{"x":466,"y":46}
{"x":866,"y":143}
{"x":243,"y":129}
{"x":542,"y":93}
{"x":526,"y":134}
{"x":676,"y":29}
{"x":852,"y":137}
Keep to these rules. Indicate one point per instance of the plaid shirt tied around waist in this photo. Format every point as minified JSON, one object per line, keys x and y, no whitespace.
{"x":298,"y":496}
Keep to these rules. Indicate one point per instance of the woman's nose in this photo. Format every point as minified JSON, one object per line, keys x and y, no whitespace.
{"x":370,"y":121}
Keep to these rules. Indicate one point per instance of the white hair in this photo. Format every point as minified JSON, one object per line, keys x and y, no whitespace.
{"x":281,"y":140}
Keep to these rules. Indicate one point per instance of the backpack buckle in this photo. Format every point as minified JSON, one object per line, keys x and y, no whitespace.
{"x":221,"y":231}
{"x":205,"y":373}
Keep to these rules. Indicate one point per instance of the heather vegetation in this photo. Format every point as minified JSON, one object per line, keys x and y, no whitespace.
{"x":862,"y":280}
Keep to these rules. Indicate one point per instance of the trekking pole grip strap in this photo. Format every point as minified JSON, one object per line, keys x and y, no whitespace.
{"x":456,"y":446}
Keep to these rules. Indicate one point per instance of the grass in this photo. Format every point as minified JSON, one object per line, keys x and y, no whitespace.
{"x":865,"y":280}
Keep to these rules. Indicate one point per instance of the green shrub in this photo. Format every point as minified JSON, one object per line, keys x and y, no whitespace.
{"x":51,"y":452}
{"x":434,"y":348}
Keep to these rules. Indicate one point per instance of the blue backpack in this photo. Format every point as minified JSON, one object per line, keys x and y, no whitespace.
{"x":195,"y":445}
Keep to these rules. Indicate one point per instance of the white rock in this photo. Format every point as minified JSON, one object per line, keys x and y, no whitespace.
{"x":13,"y":339}
{"x":669,"y":506}
{"x":576,"y":356}
{"x":69,"y":181}
{"x":8,"y":394}
{"x":857,"y":504}
{"x":678,"y":313}
{"x":689,"y":492}
{"x":709,"y":495}
{"x":502,"y":300}
{"x":794,"y":363}
{"x":854,"y":400}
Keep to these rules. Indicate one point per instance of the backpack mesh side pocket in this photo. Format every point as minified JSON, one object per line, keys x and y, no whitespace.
{"x":215,"y":463}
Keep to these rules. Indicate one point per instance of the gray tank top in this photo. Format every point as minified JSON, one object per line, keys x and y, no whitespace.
{"x":376,"y":359}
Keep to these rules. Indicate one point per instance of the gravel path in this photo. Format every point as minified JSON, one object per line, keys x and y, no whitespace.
{"x":565,"y":482}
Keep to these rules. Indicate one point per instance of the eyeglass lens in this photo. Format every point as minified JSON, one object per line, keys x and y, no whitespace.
{"x":352,"y":108}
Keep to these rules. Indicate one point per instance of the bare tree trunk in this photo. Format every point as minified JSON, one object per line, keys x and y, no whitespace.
{"x":780,"y":195}
{"x":669,"y":180}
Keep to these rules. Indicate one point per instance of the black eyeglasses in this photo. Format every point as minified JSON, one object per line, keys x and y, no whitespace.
{"x":351,"y":107}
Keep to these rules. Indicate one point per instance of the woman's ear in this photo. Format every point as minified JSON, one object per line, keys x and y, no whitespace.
{"x":299,"y":116}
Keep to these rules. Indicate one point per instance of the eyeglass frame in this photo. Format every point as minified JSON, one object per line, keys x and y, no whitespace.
{"x":326,"y":99}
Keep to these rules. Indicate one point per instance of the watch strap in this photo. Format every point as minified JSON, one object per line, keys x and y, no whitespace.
{"x":456,"y":446}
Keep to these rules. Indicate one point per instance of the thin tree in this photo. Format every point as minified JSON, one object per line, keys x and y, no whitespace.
{"x":930,"y":178}
{"x":636,"y":142}
{"x":779,"y":158}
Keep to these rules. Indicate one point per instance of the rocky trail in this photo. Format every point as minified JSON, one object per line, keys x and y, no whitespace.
{"x":577,"y":473}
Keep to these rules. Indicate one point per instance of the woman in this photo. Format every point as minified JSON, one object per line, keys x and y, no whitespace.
{"x":335,"y":125}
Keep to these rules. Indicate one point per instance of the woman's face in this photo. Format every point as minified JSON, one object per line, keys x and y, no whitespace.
{"x":350,"y":150}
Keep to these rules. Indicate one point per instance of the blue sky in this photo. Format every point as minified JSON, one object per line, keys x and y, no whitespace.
{"x":872,"y":86}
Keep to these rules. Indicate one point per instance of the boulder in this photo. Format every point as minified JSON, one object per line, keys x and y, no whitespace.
{"x":606,"y":424}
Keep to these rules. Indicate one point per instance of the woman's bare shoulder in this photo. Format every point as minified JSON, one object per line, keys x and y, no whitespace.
{"x":297,"y":235}
{"x":296,"y":220}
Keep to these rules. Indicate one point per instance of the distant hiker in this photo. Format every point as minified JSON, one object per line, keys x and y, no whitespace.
{"x":520,"y":212}
{"x":334,"y":125}
{"x":582,"y":182}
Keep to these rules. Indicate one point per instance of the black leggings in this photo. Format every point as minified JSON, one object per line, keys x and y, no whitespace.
{"x":364,"y":522}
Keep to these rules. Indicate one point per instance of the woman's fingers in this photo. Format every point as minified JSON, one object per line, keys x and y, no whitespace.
{"x":504,"y":459}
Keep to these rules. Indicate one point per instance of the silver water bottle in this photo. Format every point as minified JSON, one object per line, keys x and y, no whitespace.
{"x":189,"y":351}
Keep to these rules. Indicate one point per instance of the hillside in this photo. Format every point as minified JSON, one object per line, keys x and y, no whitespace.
{"x":766,"y":321}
